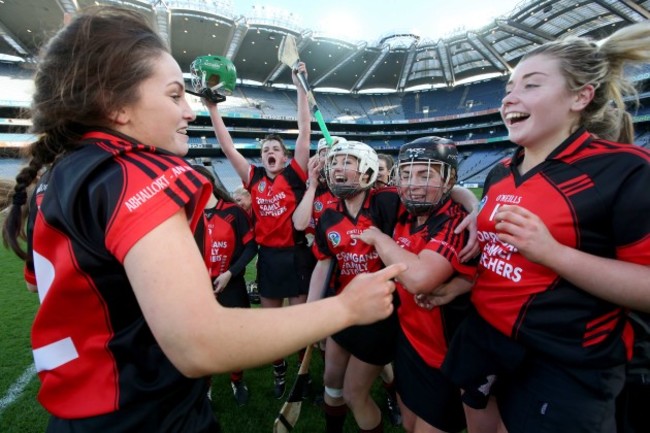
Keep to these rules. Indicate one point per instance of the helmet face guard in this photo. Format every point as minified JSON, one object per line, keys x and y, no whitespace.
{"x":322,"y":150}
{"x":343,"y":179}
{"x":213,"y":78}
{"x":426,"y":166}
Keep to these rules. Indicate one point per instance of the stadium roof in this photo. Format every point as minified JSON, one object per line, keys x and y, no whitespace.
{"x":394,"y":63}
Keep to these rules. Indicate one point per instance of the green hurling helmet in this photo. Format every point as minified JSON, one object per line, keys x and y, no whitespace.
{"x":213,"y":78}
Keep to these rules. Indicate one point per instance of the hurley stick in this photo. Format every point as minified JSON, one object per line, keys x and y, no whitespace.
{"x":290,"y":411}
{"x":288,"y":54}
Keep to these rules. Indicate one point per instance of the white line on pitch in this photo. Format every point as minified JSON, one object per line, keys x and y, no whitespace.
{"x":17,"y":388}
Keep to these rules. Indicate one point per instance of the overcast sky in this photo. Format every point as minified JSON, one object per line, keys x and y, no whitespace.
{"x":369,"y":20}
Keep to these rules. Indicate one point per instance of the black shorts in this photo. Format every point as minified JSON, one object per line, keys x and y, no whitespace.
{"x":282,"y":272}
{"x":174,"y":408}
{"x":373,"y":344}
{"x":534,"y":394}
{"x":235,"y":294}
{"x":425,"y":390}
{"x":544,"y":397}
{"x":305,"y":262}
{"x":478,"y":355}
{"x":631,"y":406}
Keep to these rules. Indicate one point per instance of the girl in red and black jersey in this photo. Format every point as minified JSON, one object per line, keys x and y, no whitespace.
{"x":354,"y":357}
{"x":225,"y":236}
{"x":276,"y":188}
{"x":128,"y":329}
{"x":424,"y":238}
{"x":565,"y":239}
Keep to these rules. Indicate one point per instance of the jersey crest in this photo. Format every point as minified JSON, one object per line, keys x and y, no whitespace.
{"x":335,"y":238}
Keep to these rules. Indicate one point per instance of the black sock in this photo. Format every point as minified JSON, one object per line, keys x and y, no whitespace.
{"x":334,"y":418}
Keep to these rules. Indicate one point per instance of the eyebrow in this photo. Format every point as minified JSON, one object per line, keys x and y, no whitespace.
{"x":177,"y":83}
{"x":530,"y":74}
{"x":421,"y":169}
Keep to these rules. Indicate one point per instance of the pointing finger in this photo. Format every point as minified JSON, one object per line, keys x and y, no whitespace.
{"x":392,"y":271}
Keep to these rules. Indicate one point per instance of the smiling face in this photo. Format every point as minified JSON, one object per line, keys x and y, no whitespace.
{"x":344,"y":170}
{"x":274,"y":157}
{"x":161,"y":114}
{"x":343,"y":177}
{"x":421,"y":183}
{"x":538,"y":109}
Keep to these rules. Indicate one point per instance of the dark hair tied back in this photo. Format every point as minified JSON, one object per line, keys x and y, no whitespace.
{"x":19,"y":198}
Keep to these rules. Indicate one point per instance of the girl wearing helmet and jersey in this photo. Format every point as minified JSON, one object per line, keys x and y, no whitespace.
{"x":317,"y":198}
{"x":424,"y":237}
{"x":276,"y":188}
{"x":355,"y":356}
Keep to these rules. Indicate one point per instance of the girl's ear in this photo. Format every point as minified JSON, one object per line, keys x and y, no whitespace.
{"x":120,"y":117}
{"x":583,"y":97}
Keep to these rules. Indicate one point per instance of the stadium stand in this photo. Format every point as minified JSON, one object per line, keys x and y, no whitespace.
{"x":452,"y":106}
{"x":270,"y":102}
{"x":476,"y":164}
{"x":226,"y":173}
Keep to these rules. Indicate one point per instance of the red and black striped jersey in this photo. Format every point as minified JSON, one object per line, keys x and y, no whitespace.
{"x":93,"y":350}
{"x":429,"y":331}
{"x":323,"y":199}
{"x":273,"y":202}
{"x":335,"y":227}
{"x":226,"y":230}
{"x":593,"y":196}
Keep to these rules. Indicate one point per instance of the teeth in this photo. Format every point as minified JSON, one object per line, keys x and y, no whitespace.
{"x":515,"y":115}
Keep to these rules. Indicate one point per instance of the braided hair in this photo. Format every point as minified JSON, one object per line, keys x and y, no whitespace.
{"x":88,"y":71}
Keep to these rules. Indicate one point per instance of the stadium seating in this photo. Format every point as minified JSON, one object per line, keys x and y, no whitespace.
{"x":482,"y":138}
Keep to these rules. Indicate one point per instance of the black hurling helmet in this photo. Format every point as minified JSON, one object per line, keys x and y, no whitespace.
{"x":436,"y":152}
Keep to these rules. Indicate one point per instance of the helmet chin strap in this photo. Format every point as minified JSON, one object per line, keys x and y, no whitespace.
{"x":421,"y":207}
{"x":208,"y":94}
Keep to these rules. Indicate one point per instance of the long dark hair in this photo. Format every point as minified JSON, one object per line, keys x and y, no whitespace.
{"x":90,"y":69}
